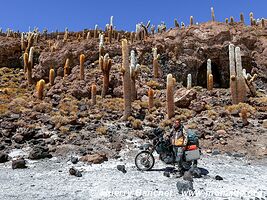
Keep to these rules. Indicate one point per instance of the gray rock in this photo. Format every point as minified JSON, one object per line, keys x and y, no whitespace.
{"x":39,"y":152}
{"x":121,"y":168}
{"x":183,"y":186}
{"x":75,"y":172}
{"x":219,"y":178}
{"x":74,"y":160}
{"x":188,"y":176}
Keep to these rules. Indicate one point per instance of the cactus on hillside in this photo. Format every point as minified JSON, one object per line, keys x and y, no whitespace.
{"x":262,"y":23}
{"x":209,"y":71}
{"x":189,"y":81}
{"x":170,"y":96}
{"x":82,"y":59}
{"x":30,"y":42}
{"x":226,"y":20}
{"x":237,"y":81}
{"x":231,"y":19}
{"x":191,"y":20}
{"x":176,"y":24}
{"x":96,"y":31}
{"x":134,"y":71}
{"x":156,"y":66}
{"x":242,"y":20}
{"x":251,"y":17}
{"x":250,"y":82}
{"x":40,"y":89}
{"x":93,"y":94}
{"x":67,"y":68}
{"x":26,"y":62}
{"x":22,"y":41}
{"x":101,"y":45}
{"x":105,"y":65}
{"x":126,"y":80}
{"x":212,"y":14}
{"x":51,"y":76}
{"x":65,"y":38}
{"x":150,"y":94}
{"x":110,"y":30}
{"x":210,"y":82}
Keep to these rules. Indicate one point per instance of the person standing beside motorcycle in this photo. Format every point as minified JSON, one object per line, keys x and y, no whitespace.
{"x":179,"y":140}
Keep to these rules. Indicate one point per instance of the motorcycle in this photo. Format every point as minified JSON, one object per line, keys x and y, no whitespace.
{"x":145,"y":160}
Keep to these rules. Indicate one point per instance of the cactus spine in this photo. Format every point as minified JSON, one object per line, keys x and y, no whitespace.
{"x":237,"y":81}
{"x":212,"y":14}
{"x":51,"y":76}
{"x":93,"y":94}
{"x":126,"y":80}
{"x":189,"y":81}
{"x":134,"y":71}
{"x":67,"y":68}
{"x":191,"y":20}
{"x":105,"y":65}
{"x":155,"y":63}
{"x":82,"y":59}
{"x":210,"y":82}
{"x":150,"y":94}
{"x":40,"y":89}
{"x":170,"y":96}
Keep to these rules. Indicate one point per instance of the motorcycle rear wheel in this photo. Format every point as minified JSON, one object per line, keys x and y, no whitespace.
{"x":144,"y":161}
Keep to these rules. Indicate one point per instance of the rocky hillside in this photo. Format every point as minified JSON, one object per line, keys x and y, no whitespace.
{"x":65,"y":119}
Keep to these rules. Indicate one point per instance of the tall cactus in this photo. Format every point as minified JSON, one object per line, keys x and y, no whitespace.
{"x":30,"y":66}
{"x":231,"y":19}
{"x":189,"y":81}
{"x":237,"y":81}
{"x":170,"y":96}
{"x":82,"y":59}
{"x":210,"y":82}
{"x":40,"y":89}
{"x":262,"y":23}
{"x":96,"y":31}
{"x":105,"y":64}
{"x":134,"y":71}
{"x":251,"y":17}
{"x":67,"y":68}
{"x":110,"y":30}
{"x":212,"y":14}
{"x":209,"y":71}
{"x":150,"y":94}
{"x":26,"y":63}
{"x":101,"y":45}
{"x":51,"y":76}
{"x":191,"y":20}
{"x":126,"y":80}
{"x":242,"y":20}
{"x":93,"y":93}
{"x":155,"y":63}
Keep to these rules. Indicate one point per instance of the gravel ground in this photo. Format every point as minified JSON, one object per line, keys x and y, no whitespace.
{"x":49,"y":179}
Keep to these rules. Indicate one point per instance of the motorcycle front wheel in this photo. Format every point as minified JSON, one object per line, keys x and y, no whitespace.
{"x":144,"y":161}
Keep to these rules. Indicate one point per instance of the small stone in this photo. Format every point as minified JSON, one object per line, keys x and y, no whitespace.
{"x":221,"y":132}
{"x":215,"y":152}
{"x":219,"y":178}
{"x":75,"y":172}
{"x":74,"y":160}
{"x":188,"y":176}
{"x":121,"y":168}
{"x":183,"y":186}
{"x":167,"y":174}
{"x":19,"y":164}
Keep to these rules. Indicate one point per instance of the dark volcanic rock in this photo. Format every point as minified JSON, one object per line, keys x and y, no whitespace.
{"x":3,"y":157}
{"x":121,"y":168}
{"x":39,"y":152}
{"x":75,"y":172}
{"x":19,"y":164}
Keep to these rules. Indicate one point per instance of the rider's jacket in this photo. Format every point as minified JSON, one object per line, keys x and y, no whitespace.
{"x":179,"y":137}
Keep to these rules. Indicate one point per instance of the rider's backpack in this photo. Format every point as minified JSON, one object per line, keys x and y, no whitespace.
{"x":192,"y":137}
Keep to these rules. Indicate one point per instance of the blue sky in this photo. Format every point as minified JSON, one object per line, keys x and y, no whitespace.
{"x":80,"y":14}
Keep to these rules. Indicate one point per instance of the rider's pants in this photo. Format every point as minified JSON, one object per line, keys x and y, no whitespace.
{"x":178,"y":151}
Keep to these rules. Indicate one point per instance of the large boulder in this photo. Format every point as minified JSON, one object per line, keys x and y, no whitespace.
{"x":39,"y":152}
{"x":183,"y":97}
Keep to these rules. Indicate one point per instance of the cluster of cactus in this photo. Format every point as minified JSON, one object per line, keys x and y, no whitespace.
{"x":105,"y":65}
{"x":209,"y":75}
{"x":141,"y":31}
{"x":252,"y":20}
{"x":28,"y":65}
{"x":170,"y":96}
{"x":250,"y":82}
{"x":156,"y":65}
{"x":237,"y":81}
{"x":162,"y":27}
